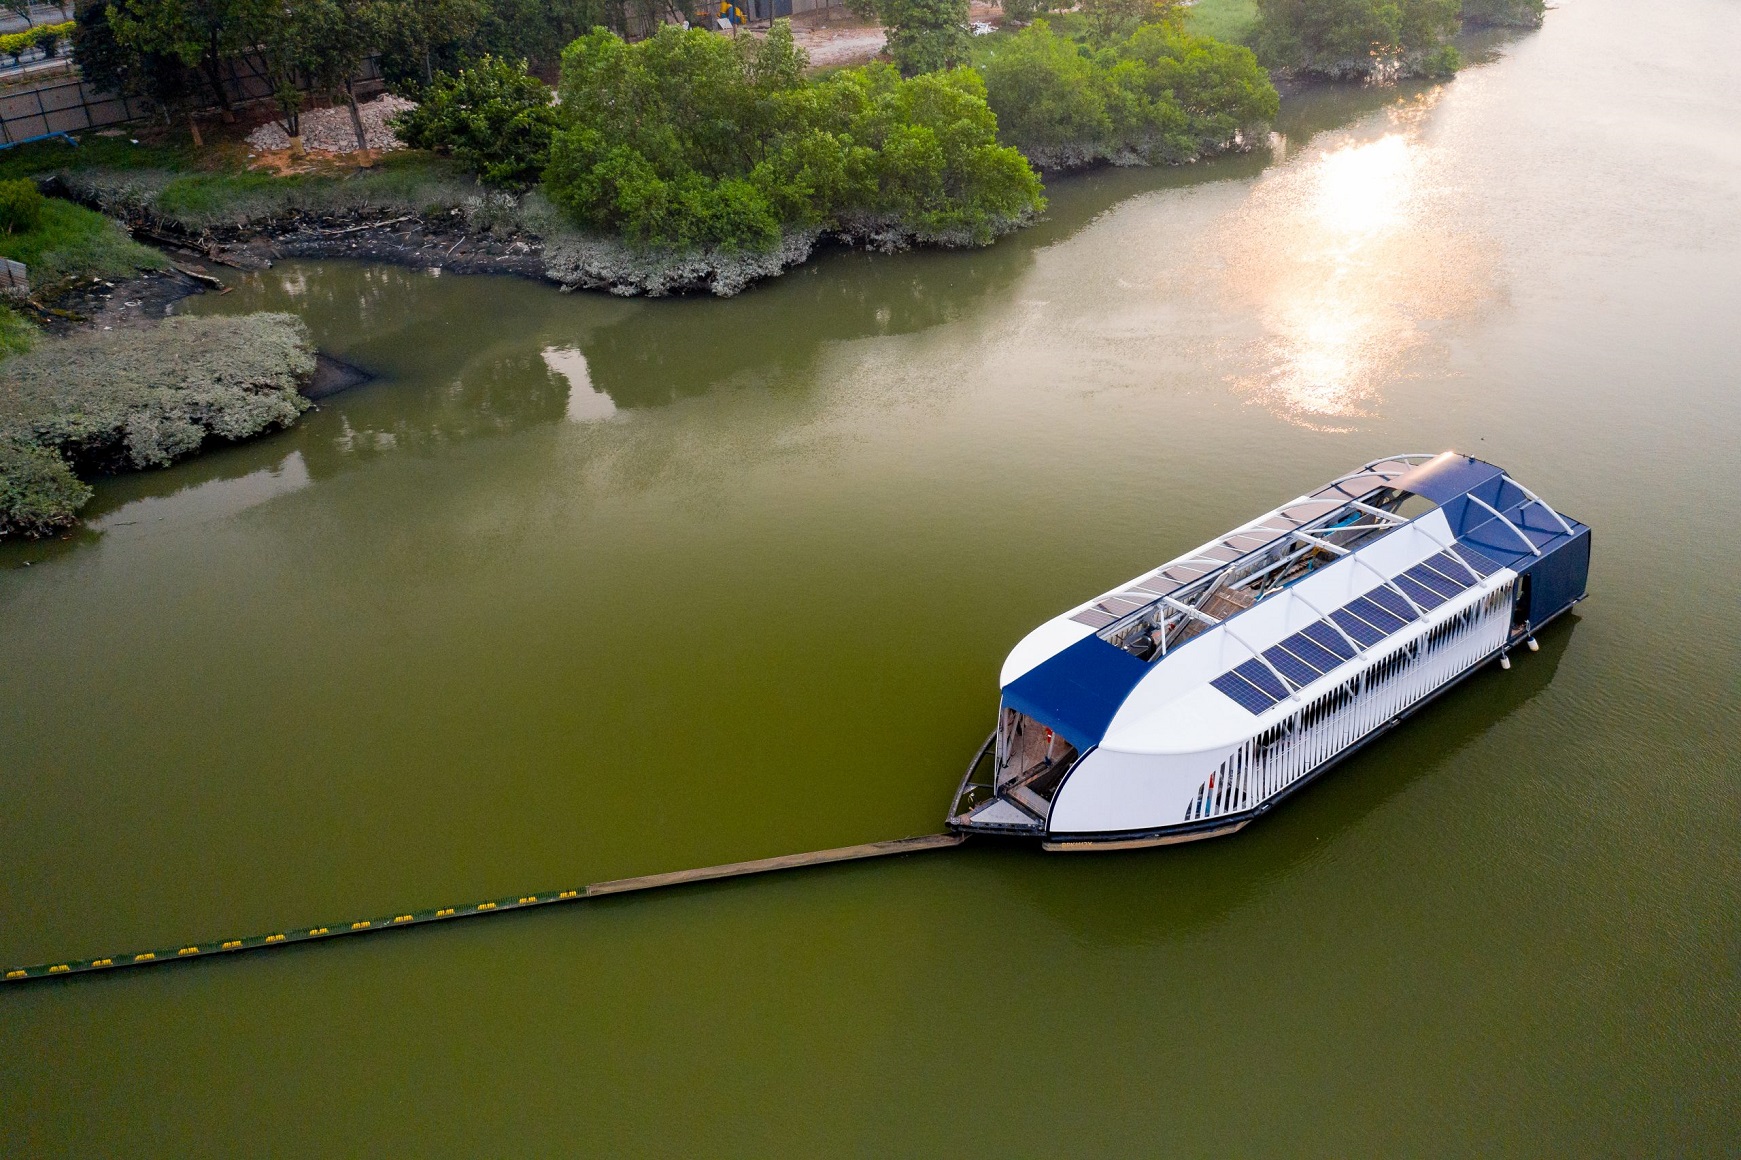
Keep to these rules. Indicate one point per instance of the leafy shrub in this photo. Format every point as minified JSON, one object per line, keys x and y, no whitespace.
{"x":138,"y":398}
{"x":1159,"y":95}
{"x":43,"y":36}
{"x":1505,"y":13}
{"x":688,"y":140}
{"x":38,"y":491}
{"x":926,"y":35}
{"x":69,"y":242}
{"x":1349,"y":39}
{"x":494,"y":118}
{"x":20,"y":206}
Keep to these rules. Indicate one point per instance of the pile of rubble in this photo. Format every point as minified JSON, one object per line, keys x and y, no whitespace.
{"x":330,"y":130}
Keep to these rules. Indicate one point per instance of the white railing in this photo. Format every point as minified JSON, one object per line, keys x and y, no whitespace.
{"x":1282,"y":754}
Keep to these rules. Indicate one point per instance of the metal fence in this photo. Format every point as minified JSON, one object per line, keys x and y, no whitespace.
{"x":69,"y":104}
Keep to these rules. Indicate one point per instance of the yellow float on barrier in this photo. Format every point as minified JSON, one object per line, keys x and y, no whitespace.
{"x":102,"y":962}
{"x":233,"y":944}
{"x":146,"y":957}
{"x":18,"y":974}
{"x":444,"y":912}
{"x":58,"y":969}
{"x":359,"y":925}
{"x":188,"y":951}
{"x":569,"y":894}
{"x":403,"y":918}
{"x":274,"y":938}
{"x":318,"y":930}
{"x":486,"y":906}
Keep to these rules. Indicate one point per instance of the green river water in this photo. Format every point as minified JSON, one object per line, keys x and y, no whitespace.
{"x":583,"y":587}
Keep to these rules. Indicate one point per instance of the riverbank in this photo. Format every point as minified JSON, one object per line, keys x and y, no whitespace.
{"x":442,"y":223}
{"x":101,"y":401}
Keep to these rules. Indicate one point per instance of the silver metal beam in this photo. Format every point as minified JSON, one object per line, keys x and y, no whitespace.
{"x":1517,"y":531}
{"x":1534,"y":498}
{"x":1325,"y":617}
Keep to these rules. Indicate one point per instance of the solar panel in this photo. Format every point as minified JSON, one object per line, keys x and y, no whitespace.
{"x":1445,"y":565}
{"x":1093,"y":618}
{"x":1243,"y":694}
{"x":1445,"y":586}
{"x":1392,"y":603}
{"x":1326,"y":637}
{"x":1356,"y":628}
{"x":1292,"y":667}
{"x":1313,"y":654}
{"x":1427,"y":598}
{"x":1254,"y":672}
{"x":1477,"y":561}
{"x":1375,"y":614}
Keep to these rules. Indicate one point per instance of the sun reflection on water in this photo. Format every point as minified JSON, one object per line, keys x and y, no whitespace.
{"x":1345,"y":255}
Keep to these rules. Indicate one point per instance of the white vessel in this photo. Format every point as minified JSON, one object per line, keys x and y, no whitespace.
{"x":1189,"y":701}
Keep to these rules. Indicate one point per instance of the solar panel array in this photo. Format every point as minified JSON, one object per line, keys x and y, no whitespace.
{"x":1176,"y":575}
{"x":1324,"y":644}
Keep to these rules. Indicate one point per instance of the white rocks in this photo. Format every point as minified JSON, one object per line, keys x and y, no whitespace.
{"x":330,"y":130}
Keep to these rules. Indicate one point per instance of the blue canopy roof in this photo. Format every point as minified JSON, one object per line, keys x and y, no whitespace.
{"x":1077,"y":691}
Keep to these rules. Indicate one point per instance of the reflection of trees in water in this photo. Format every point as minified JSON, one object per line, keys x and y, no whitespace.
{"x":1161,"y":893}
{"x":772,"y":334}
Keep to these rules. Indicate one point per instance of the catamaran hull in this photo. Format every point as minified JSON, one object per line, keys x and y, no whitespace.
{"x":1198,"y":774}
{"x":1232,"y":823}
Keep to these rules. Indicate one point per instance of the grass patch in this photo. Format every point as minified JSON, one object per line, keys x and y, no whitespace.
{"x":198,"y":201}
{"x":72,"y":243}
{"x":92,"y":152}
{"x":132,"y":399}
{"x":1231,"y":20}
{"x":17,"y":334}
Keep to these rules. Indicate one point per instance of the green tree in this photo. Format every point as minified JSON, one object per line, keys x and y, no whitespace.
{"x":1356,"y":38}
{"x":1116,"y":19}
{"x":419,"y":38}
{"x":494,"y":118}
{"x":1159,"y":95}
{"x":690,"y":140}
{"x":113,"y":67}
{"x":199,"y":33}
{"x":926,"y":35}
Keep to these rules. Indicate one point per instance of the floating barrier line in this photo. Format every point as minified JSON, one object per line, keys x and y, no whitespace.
{"x":494,"y":906}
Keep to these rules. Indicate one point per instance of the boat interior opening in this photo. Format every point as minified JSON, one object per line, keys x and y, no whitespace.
{"x":1028,"y":761}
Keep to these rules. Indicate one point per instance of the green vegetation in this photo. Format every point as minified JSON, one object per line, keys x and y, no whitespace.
{"x":1233,"y":21}
{"x":17,"y":335}
{"x":70,"y":243}
{"x":1158,"y":95}
{"x":493,"y":118}
{"x":690,"y":140}
{"x":136,"y":399}
{"x":1505,"y":13}
{"x":925,"y":35}
{"x":43,"y":158}
{"x":199,"y":201}
{"x":20,"y":206}
{"x":43,"y":36}
{"x":1354,"y":39}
